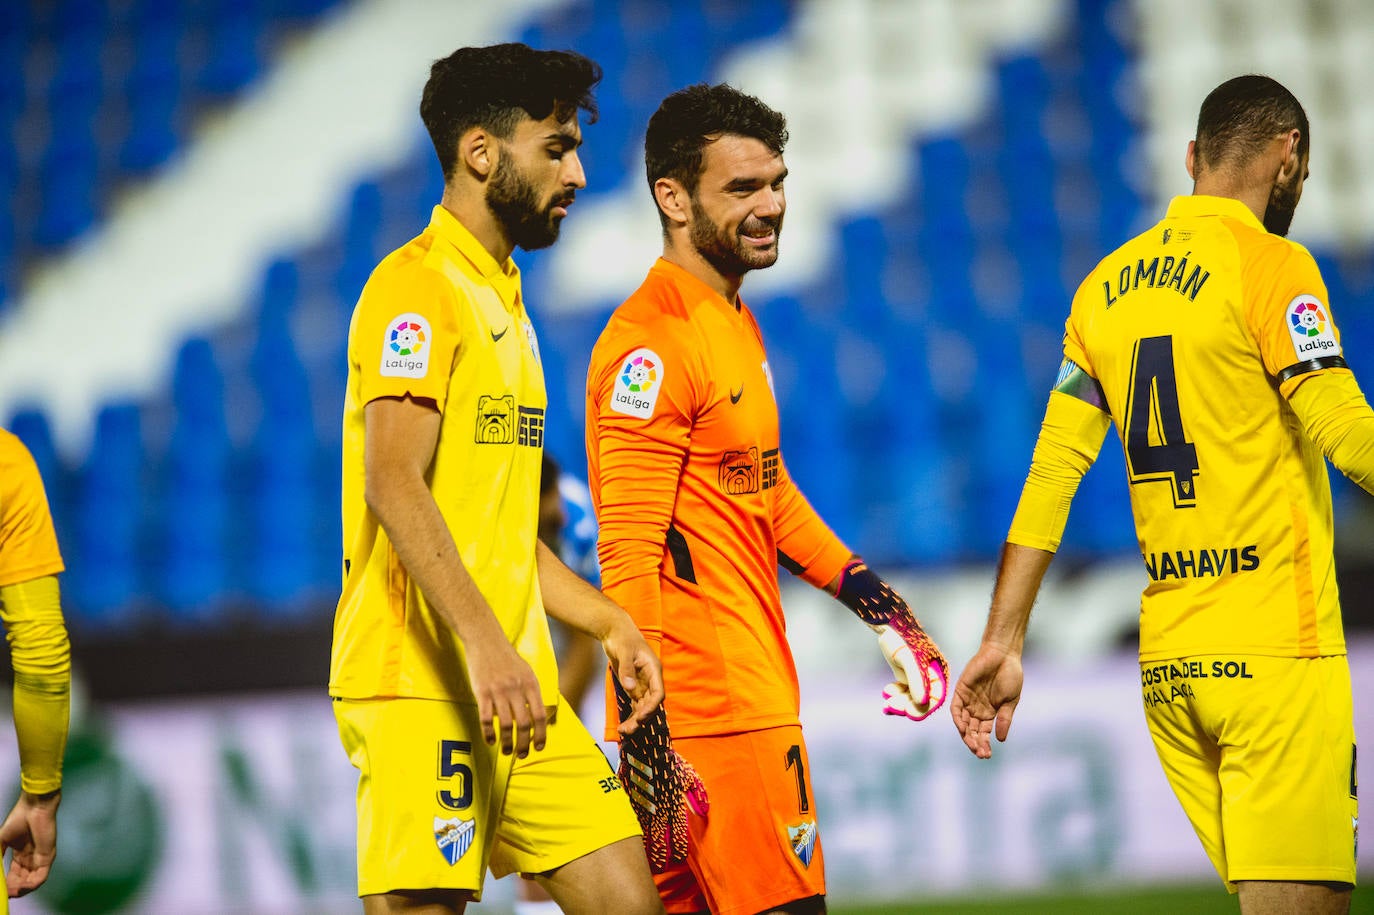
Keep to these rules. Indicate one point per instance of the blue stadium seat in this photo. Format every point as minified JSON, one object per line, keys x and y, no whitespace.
{"x":107,"y":521}
{"x":195,"y":488}
{"x":68,"y":173}
{"x":31,"y":427}
{"x":234,"y":32}
{"x":281,"y":457}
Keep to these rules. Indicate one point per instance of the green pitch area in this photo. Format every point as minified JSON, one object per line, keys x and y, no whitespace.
{"x":1210,"y":899}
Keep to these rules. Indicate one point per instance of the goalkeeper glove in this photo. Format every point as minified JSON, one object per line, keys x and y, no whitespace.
{"x":661,"y":784}
{"x":921,"y":671}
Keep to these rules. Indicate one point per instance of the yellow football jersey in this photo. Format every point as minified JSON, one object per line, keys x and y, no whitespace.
{"x":441,"y":319}
{"x":1197,"y":330}
{"x":28,"y":543}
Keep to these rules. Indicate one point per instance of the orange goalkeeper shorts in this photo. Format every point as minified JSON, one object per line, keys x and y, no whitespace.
{"x":758,"y":847}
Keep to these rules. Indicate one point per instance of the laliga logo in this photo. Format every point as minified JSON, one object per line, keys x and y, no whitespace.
{"x":639,"y":375}
{"x":1308,"y":325}
{"x":407,"y":338}
{"x":1307,"y":319}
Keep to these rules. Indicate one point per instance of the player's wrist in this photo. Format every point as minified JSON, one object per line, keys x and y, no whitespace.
{"x":41,"y":798}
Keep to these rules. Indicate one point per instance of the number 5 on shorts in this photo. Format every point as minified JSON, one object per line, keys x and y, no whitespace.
{"x":457,"y":774}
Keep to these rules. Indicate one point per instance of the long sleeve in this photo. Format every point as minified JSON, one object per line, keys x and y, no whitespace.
{"x":807,"y":547}
{"x":41,"y":657}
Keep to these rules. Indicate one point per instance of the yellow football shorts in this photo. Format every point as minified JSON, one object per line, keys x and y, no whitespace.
{"x":437,"y":807}
{"x":1260,"y":752}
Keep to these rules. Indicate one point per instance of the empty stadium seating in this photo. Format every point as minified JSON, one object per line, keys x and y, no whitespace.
{"x":911,"y":376}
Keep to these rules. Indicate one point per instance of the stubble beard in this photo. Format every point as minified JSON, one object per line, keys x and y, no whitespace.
{"x":1283,"y":203}
{"x":514,"y":202}
{"x":727,"y":252}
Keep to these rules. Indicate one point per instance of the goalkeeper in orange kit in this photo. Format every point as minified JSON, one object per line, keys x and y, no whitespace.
{"x":697,"y":510}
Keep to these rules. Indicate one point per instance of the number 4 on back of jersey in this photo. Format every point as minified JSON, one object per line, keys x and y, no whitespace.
{"x":1156,"y":447}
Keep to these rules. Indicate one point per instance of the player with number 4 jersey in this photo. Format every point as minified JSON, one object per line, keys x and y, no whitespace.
{"x":1208,"y":342}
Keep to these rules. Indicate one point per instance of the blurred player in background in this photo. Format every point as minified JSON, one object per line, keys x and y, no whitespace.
{"x":31,"y":609}
{"x":1209,"y":342}
{"x":441,"y":645}
{"x":568,"y":527}
{"x":697,"y":510}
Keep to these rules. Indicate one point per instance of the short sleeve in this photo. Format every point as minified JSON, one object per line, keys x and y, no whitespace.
{"x":1289,"y":314}
{"x":28,"y":541}
{"x":405,"y":335}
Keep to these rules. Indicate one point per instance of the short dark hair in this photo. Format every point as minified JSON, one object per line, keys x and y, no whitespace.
{"x":493,"y":87}
{"x":1243,"y":114}
{"x":687,"y":120}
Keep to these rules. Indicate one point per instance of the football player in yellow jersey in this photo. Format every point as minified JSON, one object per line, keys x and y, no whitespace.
{"x":41,"y":657}
{"x":1208,"y":342}
{"x":442,"y":667}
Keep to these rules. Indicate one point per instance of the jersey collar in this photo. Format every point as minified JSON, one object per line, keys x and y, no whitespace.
{"x":504,"y":276}
{"x":1204,"y":205}
{"x":684,"y":280}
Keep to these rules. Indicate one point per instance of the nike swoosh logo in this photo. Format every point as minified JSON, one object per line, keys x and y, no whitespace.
{"x":496,"y":337}
{"x":736,"y":395}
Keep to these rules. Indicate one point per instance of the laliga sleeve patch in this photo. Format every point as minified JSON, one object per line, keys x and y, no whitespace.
{"x":637,"y":384}
{"x":1311,"y":330}
{"x":406,"y":345}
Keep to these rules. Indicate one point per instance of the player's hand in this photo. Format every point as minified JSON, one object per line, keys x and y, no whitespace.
{"x":921,"y":671}
{"x":637,"y":672}
{"x":986,"y":695}
{"x":663,"y":787}
{"x":30,"y":831}
{"x":509,"y":703}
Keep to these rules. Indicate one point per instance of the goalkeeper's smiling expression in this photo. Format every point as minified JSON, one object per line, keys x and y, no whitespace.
{"x":738,"y":205}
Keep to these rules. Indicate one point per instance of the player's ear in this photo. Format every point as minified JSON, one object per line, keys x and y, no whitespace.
{"x":673,"y":200}
{"x":1291,"y":162}
{"x":1190,"y":159}
{"x":478,"y":151}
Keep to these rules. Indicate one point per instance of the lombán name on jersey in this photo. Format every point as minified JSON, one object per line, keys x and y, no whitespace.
{"x":1165,"y":272}
{"x":1204,"y":563}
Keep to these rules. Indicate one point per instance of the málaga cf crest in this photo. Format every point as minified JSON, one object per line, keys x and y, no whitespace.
{"x":454,"y":837}
{"x":803,"y":839}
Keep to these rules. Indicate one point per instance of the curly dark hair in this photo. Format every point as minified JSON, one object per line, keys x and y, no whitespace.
{"x":1243,"y":114}
{"x":690,"y":118}
{"x":495,"y":87}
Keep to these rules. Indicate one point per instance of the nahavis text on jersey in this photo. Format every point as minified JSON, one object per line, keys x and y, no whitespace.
{"x":1202,"y":563}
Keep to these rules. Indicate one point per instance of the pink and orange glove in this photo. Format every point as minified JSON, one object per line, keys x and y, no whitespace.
{"x":920,"y":670}
{"x":662,"y":786}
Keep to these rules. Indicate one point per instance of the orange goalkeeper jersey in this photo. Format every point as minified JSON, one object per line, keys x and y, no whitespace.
{"x":695,"y":505}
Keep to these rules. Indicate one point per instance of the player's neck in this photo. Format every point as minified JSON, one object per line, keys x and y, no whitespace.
{"x":1252,"y":186}
{"x":472,"y":211}
{"x":689,"y":258}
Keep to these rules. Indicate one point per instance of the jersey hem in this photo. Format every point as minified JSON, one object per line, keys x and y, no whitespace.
{"x":30,"y":573}
{"x":718,"y":728}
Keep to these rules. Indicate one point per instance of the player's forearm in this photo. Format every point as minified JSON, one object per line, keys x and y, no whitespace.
{"x":1071,"y":435}
{"x":571,"y":600}
{"x":810,"y":549}
{"x":1020,"y":571}
{"x":41,"y":656}
{"x":412,"y":521}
